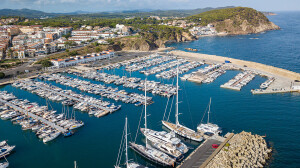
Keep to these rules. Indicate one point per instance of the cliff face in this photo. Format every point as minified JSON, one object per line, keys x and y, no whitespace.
{"x":143,"y":44}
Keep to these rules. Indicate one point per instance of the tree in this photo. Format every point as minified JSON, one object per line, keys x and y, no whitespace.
{"x":2,"y":75}
{"x":67,"y":36}
{"x":98,"y":49}
{"x":46,"y":63}
{"x":73,"y":53}
{"x":10,"y":53}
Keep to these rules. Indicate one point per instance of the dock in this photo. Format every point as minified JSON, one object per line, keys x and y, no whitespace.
{"x":201,"y":156}
{"x":96,"y":87}
{"x":271,"y":91}
{"x":61,"y":129}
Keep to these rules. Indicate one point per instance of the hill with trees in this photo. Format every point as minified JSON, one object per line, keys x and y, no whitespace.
{"x":238,"y":20}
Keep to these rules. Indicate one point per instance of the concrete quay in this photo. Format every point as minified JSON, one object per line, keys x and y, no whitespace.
{"x":200,"y":155}
{"x":285,"y":80}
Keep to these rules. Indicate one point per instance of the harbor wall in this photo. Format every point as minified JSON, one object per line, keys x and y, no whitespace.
{"x":254,"y":65}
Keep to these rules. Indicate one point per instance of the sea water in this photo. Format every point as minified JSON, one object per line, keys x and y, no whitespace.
{"x":97,"y":143}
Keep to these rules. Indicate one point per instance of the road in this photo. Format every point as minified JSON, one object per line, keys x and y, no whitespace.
{"x":198,"y":157}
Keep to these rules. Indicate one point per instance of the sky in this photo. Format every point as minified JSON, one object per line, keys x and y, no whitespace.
{"x":59,"y":6}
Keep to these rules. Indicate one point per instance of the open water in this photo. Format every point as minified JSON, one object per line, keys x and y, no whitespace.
{"x":96,"y":144}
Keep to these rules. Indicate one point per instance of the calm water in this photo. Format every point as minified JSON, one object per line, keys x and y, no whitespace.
{"x":97,"y":143}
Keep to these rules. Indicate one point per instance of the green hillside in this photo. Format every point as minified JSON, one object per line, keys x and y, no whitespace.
{"x":237,"y":14}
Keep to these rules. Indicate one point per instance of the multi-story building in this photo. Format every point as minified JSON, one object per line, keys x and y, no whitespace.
{"x":59,"y":63}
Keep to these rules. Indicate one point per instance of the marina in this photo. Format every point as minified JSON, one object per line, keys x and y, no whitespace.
{"x":109,"y":92}
{"x":239,"y":81}
{"x":148,"y":63}
{"x":93,"y":106}
{"x":182,"y":69}
{"x":130,"y":82}
{"x":163,"y":67}
{"x":47,"y":125}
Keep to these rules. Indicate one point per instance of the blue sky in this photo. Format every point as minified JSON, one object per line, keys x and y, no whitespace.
{"x":115,"y":5}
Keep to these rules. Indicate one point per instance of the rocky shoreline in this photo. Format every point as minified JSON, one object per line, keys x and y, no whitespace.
{"x":242,"y":150}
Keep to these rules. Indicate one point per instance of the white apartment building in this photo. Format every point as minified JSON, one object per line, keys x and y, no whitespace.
{"x":59,"y":63}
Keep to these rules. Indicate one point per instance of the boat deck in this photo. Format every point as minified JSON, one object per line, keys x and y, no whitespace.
{"x":182,"y":130}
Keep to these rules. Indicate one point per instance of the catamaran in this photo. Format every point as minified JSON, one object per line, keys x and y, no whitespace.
{"x":209,"y":127}
{"x":180,"y":129}
{"x":128,"y":164}
{"x":149,"y":152}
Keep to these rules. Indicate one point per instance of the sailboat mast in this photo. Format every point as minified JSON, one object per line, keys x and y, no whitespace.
{"x":146,"y":108}
{"x":208,"y":111}
{"x":176,"y":115}
{"x":126,"y":143}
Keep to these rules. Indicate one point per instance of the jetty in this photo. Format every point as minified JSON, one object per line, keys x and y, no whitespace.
{"x":235,"y":150}
{"x":94,"y":88}
{"x":26,"y":112}
{"x":154,"y":87}
{"x":58,"y":91}
{"x":285,"y":80}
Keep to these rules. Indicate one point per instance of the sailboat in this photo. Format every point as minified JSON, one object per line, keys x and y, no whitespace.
{"x":128,"y":164}
{"x":180,"y":129}
{"x":209,"y":127}
{"x":149,"y":152}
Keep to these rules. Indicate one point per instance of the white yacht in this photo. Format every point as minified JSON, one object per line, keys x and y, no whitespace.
{"x":6,"y":150}
{"x":51,"y":136}
{"x":3,"y":143}
{"x":147,"y":151}
{"x":209,"y":127}
{"x":128,"y":164}
{"x":163,"y":136}
{"x":5,"y":164}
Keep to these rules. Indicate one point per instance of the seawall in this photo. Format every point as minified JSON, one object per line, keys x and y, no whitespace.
{"x":254,"y":65}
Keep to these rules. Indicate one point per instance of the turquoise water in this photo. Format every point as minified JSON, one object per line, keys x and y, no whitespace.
{"x":97,"y":143}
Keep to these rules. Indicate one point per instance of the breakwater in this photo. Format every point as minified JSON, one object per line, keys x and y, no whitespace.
{"x":242,"y":150}
{"x":249,"y":64}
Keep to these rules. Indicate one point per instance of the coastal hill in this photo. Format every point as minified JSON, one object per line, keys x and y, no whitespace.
{"x":29,"y":13}
{"x":235,"y":21}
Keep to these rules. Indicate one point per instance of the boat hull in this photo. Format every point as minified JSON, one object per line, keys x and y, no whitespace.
{"x":137,"y":150}
{"x":172,"y":127}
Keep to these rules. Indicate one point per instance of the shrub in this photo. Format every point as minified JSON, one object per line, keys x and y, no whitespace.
{"x":2,"y":75}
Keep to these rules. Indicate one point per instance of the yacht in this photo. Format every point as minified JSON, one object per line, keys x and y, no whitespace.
{"x":3,"y":143}
{"x":209,"y":127}
{"x":6,"y":150}
{"x":5,"y":164}
{"x":51,"y":136}
{"x":179,"y":129}
{"x":128,"y":164}
{"x":147,"y":151}
{"x":163,"y":136}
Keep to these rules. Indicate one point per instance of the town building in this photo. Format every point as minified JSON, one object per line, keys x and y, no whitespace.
{"x":59,"y":63}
